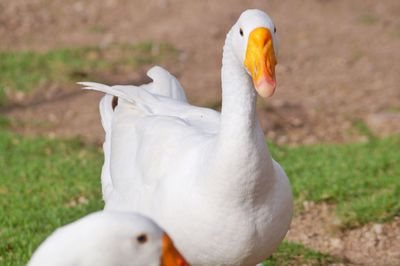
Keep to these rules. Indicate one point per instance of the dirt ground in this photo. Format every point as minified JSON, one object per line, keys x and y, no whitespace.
{"x":339,"y":64}
{"x":373,"y":244}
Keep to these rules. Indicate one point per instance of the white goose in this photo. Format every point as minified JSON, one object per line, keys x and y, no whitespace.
{"x":108,"y":239}
{"x":206,"y":177}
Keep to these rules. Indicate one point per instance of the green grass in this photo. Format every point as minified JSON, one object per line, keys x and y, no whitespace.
{"x":295,"y":254}
{"x":393,"y":109}
{"x":396,"y":33}
{"x":361,"y":179}
{"x":5,"y":122}
{"x":97,"y":29}
{"x":364,"y":130}
{"x":40,"y":179}
{"x":368,"y":19}
{"x":27,"y":70}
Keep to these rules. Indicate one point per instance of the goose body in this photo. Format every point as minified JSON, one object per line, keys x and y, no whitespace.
{"x":206,"y":177}
{"x":108,"y":239}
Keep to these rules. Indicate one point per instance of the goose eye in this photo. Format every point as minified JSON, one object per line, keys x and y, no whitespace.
{"x":142,"y":238}
{"x":241,"y":32}
{"x":274,"y":29}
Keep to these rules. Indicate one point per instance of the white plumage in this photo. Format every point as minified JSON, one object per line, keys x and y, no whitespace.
{"x":206,"y":177}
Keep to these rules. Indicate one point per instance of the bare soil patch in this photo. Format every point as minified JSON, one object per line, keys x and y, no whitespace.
{"x":373,"y":244}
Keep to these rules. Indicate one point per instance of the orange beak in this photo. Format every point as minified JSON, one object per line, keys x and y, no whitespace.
{"x":260,"y":61}
{"x":171,"y":256}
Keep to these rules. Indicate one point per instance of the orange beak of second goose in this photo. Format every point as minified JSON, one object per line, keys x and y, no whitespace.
{"x":170,"y":255}
{"x":260,"y":61}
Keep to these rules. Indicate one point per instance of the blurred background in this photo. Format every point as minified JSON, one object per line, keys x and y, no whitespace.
{"x":334,"y":120}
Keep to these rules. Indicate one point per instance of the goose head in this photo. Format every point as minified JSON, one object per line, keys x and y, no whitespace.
{"x":109,"y":238}
{"x":255,"y":45}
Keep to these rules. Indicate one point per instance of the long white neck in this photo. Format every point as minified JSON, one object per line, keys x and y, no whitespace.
{"x":238,"y":114}
{"x":242,"y":157}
